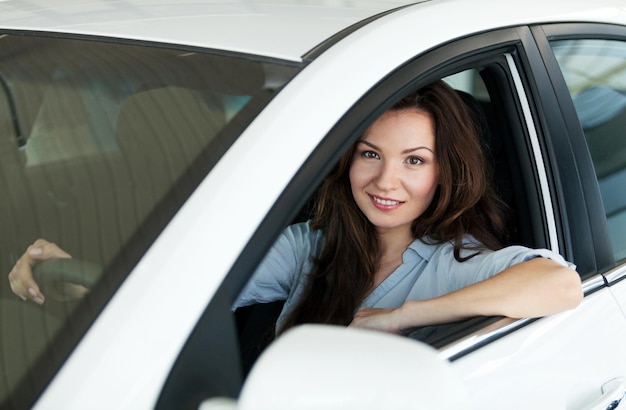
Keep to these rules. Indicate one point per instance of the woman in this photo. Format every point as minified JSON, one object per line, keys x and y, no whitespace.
{"x":406,"y":233}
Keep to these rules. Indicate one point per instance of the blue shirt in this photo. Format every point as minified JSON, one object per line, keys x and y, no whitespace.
{"x":428,"y":270}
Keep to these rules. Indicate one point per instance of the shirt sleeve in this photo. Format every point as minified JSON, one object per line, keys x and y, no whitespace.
{"x":280,"y":269}
{"x":452,"y":275}
{"x":489,"y":264}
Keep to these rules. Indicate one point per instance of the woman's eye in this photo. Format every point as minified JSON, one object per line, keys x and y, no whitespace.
{"x":370,"y":155}
{"x":414,"y":160}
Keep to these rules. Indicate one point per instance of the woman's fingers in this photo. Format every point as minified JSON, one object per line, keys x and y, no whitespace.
{"x":19,"y":279}
{"x":21,"y":276}
{"x":42,"y":249}
{"x":22,"y":282}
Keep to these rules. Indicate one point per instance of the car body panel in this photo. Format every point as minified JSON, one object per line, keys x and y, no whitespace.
{"x":616,"y":279}
{"x":619,"y":292}
{"x":152,"y":314}
{"x":279,"y":29}
{"x":277,"y":26}
{"x":550,"y":363}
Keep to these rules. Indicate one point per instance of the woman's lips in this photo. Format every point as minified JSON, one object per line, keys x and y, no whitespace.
{"x":385,"y":204}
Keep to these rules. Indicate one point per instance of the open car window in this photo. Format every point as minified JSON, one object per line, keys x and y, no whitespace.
{"x":492,"y":105}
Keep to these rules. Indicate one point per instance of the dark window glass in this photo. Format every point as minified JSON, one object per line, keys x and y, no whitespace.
{"x":595,"y":72}
{"x":100,"y":144}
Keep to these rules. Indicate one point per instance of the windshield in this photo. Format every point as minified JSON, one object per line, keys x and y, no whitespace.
{"x":100,"y":145}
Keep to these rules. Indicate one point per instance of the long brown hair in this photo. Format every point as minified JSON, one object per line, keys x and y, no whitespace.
{"x":464,"y":204}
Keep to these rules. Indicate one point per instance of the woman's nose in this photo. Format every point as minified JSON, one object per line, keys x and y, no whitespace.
{"x":387,"y":178}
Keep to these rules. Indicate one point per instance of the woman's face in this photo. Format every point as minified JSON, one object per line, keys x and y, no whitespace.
{"x":394,"y":172}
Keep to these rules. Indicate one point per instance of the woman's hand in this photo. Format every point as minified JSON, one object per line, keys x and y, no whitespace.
{"x":21,"y":276}
{"x":386,"y":320}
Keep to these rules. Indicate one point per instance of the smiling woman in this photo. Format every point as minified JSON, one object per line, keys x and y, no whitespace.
{"x":403,"y":225}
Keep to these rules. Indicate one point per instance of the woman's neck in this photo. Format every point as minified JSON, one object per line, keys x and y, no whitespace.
{"x":393,"y":243}
{"x":392,"y":247}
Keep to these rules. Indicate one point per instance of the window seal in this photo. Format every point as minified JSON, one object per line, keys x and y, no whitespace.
{"x":542,"y":174}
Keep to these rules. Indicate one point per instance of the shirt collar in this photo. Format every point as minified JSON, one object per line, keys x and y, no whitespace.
{"x":424,"y":247}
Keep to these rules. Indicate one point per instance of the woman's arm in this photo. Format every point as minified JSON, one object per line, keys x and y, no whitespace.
{"x":280,"y":269}
{"x":538,"y":287}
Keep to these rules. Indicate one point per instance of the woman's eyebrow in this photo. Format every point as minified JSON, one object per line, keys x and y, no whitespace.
{"x":406,"y":151}
{"x":369,"y":144}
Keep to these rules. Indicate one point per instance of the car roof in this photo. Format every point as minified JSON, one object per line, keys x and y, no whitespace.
{"x":284,"y":29}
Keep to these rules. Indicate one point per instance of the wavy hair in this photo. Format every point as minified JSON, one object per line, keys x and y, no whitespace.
{"x":464,"y":204}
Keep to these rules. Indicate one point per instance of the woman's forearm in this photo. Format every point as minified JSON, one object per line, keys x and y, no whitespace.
{"x":535,"y":288}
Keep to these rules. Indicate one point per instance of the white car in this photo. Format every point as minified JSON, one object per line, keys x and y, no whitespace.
{"x":165,"y":145}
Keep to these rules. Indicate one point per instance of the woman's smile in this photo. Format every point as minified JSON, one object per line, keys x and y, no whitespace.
{"x":385,"y":204}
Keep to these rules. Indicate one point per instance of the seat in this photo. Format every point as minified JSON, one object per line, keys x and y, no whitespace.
{"x":602,"y":113}
{"x":161,"y":132}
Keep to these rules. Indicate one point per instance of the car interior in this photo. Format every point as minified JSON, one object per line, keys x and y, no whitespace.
{"x":104,"y":195}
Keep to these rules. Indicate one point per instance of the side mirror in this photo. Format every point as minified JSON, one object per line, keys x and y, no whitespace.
{"x":331,"y":367}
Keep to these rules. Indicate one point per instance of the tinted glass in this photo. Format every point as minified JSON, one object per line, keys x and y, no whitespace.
{"x":100,"y":144}
{"x":595,"y":72}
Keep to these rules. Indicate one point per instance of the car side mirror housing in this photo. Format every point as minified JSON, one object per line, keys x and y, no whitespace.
{"x":332,"y":367}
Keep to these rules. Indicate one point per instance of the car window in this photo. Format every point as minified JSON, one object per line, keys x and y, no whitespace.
{"x":595,"y":73}
{"x":100,"y":144}
{"x":256,"y":323}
